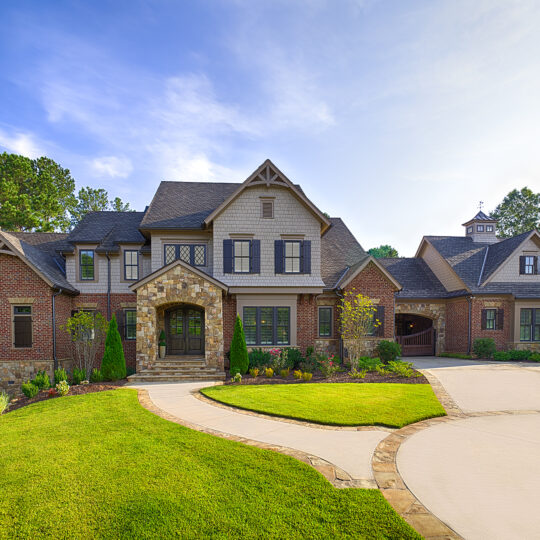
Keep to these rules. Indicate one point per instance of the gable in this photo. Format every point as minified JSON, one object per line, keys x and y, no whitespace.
{"x":440,"y":267}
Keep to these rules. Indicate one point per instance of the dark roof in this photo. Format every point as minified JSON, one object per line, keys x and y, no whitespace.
{"x":480,"y":217}
{"x":497,"y":253}
{"x":107,"y":229}
{"x":340,"y":251}
{"x":415,"y":276}
{"x":40,"y":250}
{"x":185,"y":205}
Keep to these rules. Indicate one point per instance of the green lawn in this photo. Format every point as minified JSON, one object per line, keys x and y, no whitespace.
{"x":101,"y":466}
{"x":339,"y":404}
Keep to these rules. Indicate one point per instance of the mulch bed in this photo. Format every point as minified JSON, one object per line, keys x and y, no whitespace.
{"x":342,"y":377}
{"x":22,"y":401}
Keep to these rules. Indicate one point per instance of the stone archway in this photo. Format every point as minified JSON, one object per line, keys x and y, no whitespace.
{"x":431,"y":310}
{"x":178,"y":284}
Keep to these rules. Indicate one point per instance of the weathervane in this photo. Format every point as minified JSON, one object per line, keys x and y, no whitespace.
{"x":480,"y":205}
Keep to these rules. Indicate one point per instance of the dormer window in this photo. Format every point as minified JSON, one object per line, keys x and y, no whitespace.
{"x":469,"y":230}
{"x":86,"y":264}
{"x":479,"y":228}
{"x":489,"y":228}
{"x":267,"y":208}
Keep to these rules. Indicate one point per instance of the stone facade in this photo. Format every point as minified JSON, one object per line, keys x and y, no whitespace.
{"x":436,"y":311}
{"x":178,"y":285}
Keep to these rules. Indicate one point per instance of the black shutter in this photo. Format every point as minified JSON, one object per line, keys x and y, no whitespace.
{"x":483,"y":324}
{"x":306,"y":257}
{"x":121,"y":322}
{"x":522,"y":265}
{"x":23,"y":331}
{"x":500,"y":319}
{"x":278,"y":256}
{"x":227,"y":256}
{"x":379,"y":315}
{"x":255,"y":257}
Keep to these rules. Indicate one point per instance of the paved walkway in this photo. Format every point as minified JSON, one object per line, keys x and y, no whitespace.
{"x":347,"y":449}
{"x":480,"y":475}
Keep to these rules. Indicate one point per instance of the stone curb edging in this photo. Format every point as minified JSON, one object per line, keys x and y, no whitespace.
{"x":201,"y":397}
{"x":336,"y":476}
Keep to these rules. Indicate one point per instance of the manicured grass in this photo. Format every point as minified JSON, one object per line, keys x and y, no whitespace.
{"x":340,"y":404}
{"x":101,"y":466}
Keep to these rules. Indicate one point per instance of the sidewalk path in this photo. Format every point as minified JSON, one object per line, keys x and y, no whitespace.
{"x":347,"y":449}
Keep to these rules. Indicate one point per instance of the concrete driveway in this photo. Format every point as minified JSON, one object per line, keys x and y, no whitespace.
{"x":481,"y":474}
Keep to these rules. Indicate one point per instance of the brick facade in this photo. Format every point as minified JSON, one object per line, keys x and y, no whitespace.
{"x":306,"y":321}
{"x":502,"y":337}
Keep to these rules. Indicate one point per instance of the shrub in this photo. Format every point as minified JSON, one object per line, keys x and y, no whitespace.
{"x":239,"y":354}
{"x":284,"y":373}
{"x":327,"y":365}
{"x":355,"y":374}
{"x":297,"y":374}
{"x":365,"y":362}
{"x":309,"y":351}
{"x":484,"y":347}
{"x":455,"y":355}
{"x":388,"y":351}
{"x":52,"y":392}
{"x":535,"y":357}
{"x":29,"y":389}
{"x":309,"y":363}
{"x":62,"y":388}
{"x":41,"y":380}
{"x":381,"y":370}
{"x":60,"y":375}
{"x":279,"y":358}
{"x":259,"y":358}
{"x":519,"y":355}
{"x":269,"y":373}
{"x":237,"y":378}
{"x":502,"y":356}
{"x":113,"y":365}
{"x":306,"y":376}
{"x":4,"y":401}
{"x":96,"y":375}
{"x":403,"y":369}
{"x":162,"y":339}
{"x":294,"y":358}
{"x":254,"y":372}
{"x":79,"y":375}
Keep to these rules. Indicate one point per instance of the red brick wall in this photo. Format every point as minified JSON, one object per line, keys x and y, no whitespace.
{"x":18,"y":280}
{"x":63,"y":308}
{"x":457,"y":317}
{"x":306,"y":321}
{"x":373,"y":283}
{"x":501,"y":337}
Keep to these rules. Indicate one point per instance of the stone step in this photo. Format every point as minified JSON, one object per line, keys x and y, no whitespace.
{"x":192,"y":364}
{"x":153,"y":377}
{"x":175,"y":372}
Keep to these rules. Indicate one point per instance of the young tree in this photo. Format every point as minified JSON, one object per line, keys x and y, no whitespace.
{"x":87,"y":330}
{"x":383,"y":251}
{"x":356,"y":322}
{"x":113,"y":365}
{"x":35,"y":194}
{"x":518,"y":212}
{"x":239,"y":359}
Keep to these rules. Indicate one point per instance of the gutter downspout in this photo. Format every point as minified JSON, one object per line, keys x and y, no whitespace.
{"x":55,"y":359}
{"x":108,"y":286}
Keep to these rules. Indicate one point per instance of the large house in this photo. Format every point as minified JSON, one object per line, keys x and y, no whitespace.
{"x":203,"y":252}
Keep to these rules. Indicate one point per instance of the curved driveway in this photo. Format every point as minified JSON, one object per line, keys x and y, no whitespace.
{"x":481,"y":474}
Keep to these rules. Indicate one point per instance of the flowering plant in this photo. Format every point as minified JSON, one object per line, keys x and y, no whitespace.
{"x":53,"y":392}
{"x":328,"y":365}
{"x":62,"y":388}
{"x":279,"y":358}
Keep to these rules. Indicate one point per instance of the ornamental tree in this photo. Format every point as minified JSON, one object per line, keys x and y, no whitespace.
{"x":113,"y":365}
{"x":239,"y":359}
{"x":357,"y":321}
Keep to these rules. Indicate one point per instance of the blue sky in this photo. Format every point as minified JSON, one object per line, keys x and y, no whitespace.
{"x":398,"y":116}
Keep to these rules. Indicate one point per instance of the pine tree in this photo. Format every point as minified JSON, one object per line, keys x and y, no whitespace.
{"x":113,"y":365}
{"x":239,"y":354}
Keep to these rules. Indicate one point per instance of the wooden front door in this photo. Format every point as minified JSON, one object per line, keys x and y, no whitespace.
{"x":185,"y":330}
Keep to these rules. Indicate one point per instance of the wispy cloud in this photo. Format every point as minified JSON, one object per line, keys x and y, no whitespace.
{"x":23,"y":143}
{"x":112,"y":166}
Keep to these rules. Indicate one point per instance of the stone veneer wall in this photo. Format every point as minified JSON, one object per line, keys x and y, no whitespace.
{"x":178,"y":285}
{"x":432,"y":310}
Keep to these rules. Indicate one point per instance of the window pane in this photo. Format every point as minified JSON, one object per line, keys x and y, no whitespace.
{"x":199,"y":255}
{"x":22,"y":310}
{"x":282,"y":331}
{"x":184,"y":253}
{"x":87,"y":264}
{"x":267,"y":325}
{"x":490,"y":319}
{"x":250,"y":325}
{"x":169,"y":254}
{"x":325,"y":321}
{"x":526,"y":316}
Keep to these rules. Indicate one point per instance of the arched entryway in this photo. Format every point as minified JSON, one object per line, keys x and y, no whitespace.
{"x":415,"y":334}
{"x":184,"y":330}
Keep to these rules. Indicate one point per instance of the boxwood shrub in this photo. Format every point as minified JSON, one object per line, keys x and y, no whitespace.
{"x":484,"y":347}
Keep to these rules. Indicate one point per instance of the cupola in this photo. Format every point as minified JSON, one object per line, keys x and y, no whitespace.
{"x":481,"y":228}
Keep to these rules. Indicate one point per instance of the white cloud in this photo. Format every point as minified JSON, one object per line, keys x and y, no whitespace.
{"x":113,"y":166}
{"x":21,"y":143}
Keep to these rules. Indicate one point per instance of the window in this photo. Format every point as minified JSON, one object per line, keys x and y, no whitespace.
{"x":325,"y":321}
{"x":267,"y":209}
{"x":491,"y":315}
{"x":469,"y":230}
{"x":194,"y":254}
{"x":86,"y":261}
{"x":241,"y":256}
{"x":479,"y":228}
{"x":22,"y":326}
{"x":529,"y":327}
{"x":489,"y":228}
{"x":130,"y":325}
{"x":131,"y":265}
{"x":292,"y":256}
{"x":267,"y":325}
{"x":528,"y":265}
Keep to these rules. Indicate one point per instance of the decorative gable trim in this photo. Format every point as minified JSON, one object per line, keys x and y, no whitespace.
{"x":269,"y":175}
